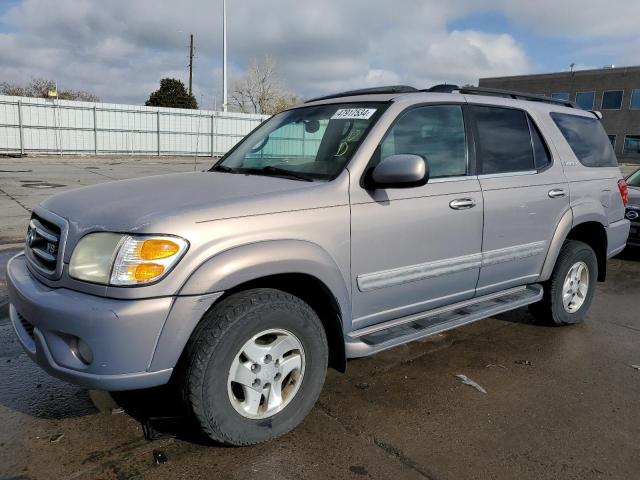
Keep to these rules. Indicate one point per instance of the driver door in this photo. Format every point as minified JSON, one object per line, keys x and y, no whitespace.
{"x":414,"y":249}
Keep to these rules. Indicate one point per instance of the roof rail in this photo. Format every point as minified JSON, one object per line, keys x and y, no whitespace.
{"x":367,"y":91}
{"x":515,"y":95}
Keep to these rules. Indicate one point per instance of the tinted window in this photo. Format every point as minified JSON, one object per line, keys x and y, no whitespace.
{"x":504,"y":142}
{"x":560,"y":95}
{"x":612,"y":139}
{"x":540,"y":150}
{"x":632,"y":145}
{"x":612,"y":100}
{"x":437,"y":133}
{"x":586,"y":100}
{"x":587,"y":139}
{"x":635,"y":99}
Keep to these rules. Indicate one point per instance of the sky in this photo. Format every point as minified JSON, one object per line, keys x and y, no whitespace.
{"x":120,"y":49}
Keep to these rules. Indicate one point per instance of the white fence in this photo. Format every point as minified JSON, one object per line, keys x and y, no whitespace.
{"x":35,"y":125}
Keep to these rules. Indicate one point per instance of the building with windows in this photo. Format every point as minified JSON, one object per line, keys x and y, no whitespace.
{"x":613,"y":91}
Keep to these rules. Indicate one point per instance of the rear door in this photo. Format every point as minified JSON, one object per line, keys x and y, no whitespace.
{"x":525,"y":195}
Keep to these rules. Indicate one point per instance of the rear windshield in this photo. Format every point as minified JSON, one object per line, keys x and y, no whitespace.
{"x":313,"y":143}
{"x":587,"y":139}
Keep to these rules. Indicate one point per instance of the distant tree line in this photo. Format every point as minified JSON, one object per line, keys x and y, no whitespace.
{"x":40,"y":88}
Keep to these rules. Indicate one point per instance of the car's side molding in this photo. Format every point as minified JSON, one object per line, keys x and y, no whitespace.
{"x":252,"y":261}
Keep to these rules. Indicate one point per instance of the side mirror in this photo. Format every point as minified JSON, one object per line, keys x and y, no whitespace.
{"x":400,"y":171}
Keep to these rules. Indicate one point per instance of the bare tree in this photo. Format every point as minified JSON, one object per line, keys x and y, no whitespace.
{"x":40,"y":88}
{"x":260,"y":91}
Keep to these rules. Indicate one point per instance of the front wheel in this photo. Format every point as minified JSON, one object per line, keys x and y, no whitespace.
{"x":569,"y":292}
{"x":255,"y":366}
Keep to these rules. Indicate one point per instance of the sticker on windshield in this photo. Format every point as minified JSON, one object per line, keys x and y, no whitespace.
{"x":353,"y":114}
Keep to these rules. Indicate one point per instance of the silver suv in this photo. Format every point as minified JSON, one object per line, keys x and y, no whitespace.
{"x":336,"y":229}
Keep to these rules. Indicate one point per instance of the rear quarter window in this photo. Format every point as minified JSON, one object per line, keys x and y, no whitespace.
{"x":587,"y":139}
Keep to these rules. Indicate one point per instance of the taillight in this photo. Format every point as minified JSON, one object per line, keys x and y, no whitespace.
{"x":624,"y":191}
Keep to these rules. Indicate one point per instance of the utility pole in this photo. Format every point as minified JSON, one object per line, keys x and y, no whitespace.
{"x":191,"y":66}
{"x":224,"y":55}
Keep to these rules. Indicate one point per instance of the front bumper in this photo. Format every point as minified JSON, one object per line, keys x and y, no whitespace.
{"x":634,"y":234}
{"x":121,"y":334}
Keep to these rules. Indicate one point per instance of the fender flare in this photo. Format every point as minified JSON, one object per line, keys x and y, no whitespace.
{"x":571,"y":219}
{"x":244,"y":263}
{"x":236,"y":266}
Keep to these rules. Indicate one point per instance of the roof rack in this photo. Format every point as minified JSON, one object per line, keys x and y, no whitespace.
{"x":500,"y":93}
{"x":367,"y":91}
{"x":450,"y":88}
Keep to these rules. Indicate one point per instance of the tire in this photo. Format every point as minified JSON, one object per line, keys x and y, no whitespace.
{"x":551,"y":309}
{"x":216,"y":355}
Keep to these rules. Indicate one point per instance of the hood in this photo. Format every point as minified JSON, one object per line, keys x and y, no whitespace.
{"x":148,"y":203}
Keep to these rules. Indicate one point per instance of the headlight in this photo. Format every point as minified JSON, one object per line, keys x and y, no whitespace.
{"x":116,"y":259}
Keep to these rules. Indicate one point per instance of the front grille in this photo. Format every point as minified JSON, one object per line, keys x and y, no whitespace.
{"x":44,"y":244}
{"x":28,"y":327}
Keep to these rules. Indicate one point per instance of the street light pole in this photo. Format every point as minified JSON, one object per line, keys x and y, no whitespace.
{"x":224,"y":55}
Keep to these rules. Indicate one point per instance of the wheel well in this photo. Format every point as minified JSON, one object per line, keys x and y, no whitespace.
{"x":594,"y":235}
{"x":319,"y":297}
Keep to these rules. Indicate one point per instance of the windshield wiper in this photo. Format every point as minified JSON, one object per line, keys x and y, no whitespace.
{"x":223,"y":168}
{"x":276,"y":172}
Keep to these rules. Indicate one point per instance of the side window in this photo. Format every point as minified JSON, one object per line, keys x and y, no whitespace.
{"x":540,"y":150}
{"x":437,"y":133}
{"x":587,"y":139}
{"x":504,"y":141}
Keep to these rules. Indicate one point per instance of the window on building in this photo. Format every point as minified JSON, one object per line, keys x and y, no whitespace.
{"x":560,"y":96}
{"x":612,"y":139}
{"x":504,"y":140}
{"x":437,"y":133}
{"x":612,"y":100}
{"x":635,"y":99}
{"x":586,"y":100}
{"x":632,"y":145}
{"x":587,"y":139}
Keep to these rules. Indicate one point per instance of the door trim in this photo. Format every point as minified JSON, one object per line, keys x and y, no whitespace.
{"x":412,"y":273}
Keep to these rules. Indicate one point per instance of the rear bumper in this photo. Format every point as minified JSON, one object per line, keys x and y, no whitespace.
{"x":617,"y":235}
{"x":120,"y":334}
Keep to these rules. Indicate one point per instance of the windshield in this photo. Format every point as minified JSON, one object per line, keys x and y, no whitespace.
{"x":634,"y":179}
{"x":308,"y":143}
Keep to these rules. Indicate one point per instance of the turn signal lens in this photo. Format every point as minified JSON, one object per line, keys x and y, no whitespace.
{"x":158,"y":248}
{"x":143,"y":272}
{"x":143,"y":259}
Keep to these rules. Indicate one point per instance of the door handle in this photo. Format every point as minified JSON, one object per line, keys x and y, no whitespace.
{"x":462,"y":203}
{"x":557,"y":193}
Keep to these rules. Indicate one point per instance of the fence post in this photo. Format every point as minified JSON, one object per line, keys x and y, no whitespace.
{"x":95,"y":129}
{"x":20,"y":127}
{"x":213,"y":132}
{"x":158,"y":125}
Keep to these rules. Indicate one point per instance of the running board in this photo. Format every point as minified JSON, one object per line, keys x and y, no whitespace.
{"x":376,"y":338}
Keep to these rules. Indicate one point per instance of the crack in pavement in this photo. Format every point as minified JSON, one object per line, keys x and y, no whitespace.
{"x":15,"y":200}
{"x":387,"y":448}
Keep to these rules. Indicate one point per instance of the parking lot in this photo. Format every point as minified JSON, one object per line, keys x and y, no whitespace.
{"x":560,"y":402}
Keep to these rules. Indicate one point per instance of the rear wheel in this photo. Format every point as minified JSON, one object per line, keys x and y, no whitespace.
{"x":569,"y":292}
{"x":255,"y":366}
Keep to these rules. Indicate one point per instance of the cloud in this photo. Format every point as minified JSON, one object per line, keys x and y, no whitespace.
{"x":120,"y":49}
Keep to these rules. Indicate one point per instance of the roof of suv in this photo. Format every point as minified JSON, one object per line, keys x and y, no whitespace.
{"x":390,"y":93}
